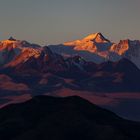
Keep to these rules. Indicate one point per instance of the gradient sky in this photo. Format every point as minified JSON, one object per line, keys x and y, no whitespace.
{"x":57,"y":21}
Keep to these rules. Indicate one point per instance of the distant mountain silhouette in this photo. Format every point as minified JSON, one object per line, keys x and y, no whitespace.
{"x":54,"y":118}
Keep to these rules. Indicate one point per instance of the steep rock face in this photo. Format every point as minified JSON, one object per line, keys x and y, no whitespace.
{"x":8,"y":50}
{"x":133,"y":52}
{"x":121,"y":47}
{"x":128,"y":49}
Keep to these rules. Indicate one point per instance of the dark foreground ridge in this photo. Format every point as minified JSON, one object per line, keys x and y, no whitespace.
{"x":70,"y":118}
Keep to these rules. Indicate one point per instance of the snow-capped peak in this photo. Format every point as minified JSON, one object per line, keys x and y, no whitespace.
{"x":11,"y":48}
{"x":97,"y":37}
{"x":91,"y":36}
{"x":12,"y":43}
{"x":12,"y":39}
{"x":93,"y":43}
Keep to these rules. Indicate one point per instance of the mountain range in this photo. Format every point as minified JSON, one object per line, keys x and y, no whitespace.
{"x":94,"y":68}
{"x":95,"y":47}
{"x":83,"y":89}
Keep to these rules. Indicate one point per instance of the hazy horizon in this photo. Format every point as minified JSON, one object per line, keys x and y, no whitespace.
{"x":54,"y":22}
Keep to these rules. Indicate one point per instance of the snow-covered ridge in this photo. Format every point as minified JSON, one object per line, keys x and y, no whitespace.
{"x":95,"y":47}
{"x":11,"y":48}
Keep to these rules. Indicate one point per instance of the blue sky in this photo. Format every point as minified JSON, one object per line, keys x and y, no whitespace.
{"x":56,"y":21}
